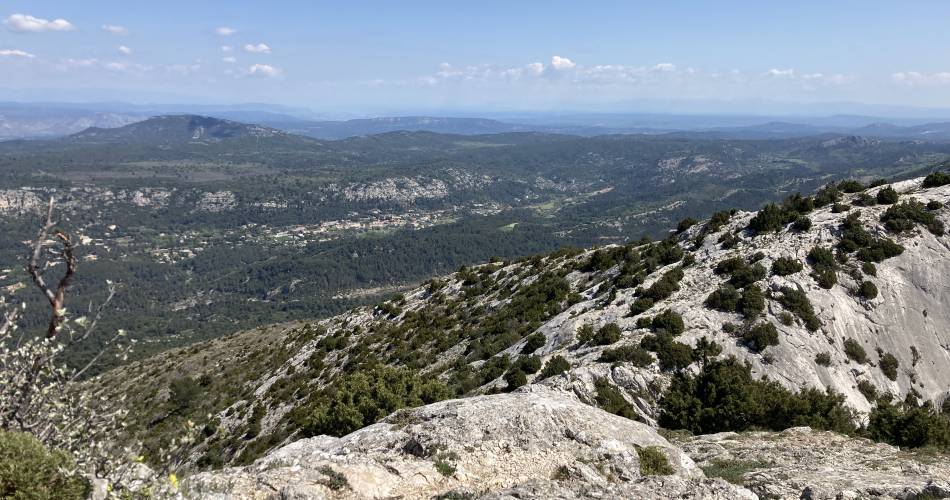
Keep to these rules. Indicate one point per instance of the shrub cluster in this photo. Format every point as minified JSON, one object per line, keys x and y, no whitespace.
{"x":634,"y":354}
{"x":725,"y":397}
{"x":936,"y":179}
{"x":555,"y":366}
{"x":784,"y":266}
{"x":759,"y":336}
{"x":825,"y":266}
{"x":869,"y":248}
{"x":28,"y":470}
{"x":774,"y":217}
{"x":903,"y":216}
{"x":605,"y":335}
{"x":362,"y":398}
{"x":855,"y":351}
{"x":909,"y":425}
{"x":659,"y":290}
{"x":611,"y":400}
{"x":796,"y":302}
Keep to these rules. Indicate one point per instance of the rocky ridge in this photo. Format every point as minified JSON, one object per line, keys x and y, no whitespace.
{"x":907,"y":320}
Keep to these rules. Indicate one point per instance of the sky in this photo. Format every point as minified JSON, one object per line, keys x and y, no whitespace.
{"x":377,"y":57}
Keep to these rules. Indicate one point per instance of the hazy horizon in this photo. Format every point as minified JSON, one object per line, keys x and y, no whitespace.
{"x":363,"y":58}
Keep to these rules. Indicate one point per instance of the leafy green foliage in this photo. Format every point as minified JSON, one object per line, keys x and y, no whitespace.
{"x":854,"y":351}
{"x":887,"y":196}
{"x":774,"y":217}
{"x":555,"y":366}
{"x":823,"y":359}
{"x":685,"y":224}
{"x":867,"y":290}
{"x":653,"y":462}
{"x":534,"y":342}
{"x":888,"y":364}
{"x":363,"y":398}
{"x":633,"y":354}
{"x":725,"y":397}
{"x":760,"y":336}
{"x":824,"y":264}
{"x":796,"y":302}
{"x":909,"y":426}
{"x":668,"y":321}
{"x":30,"y":471}
{"x":904,"y":216}
{"x":784,"y":266}
{"x":867,"y":389}
{"x":605,"y":335}
{"x":936,"y":179}
{"x":611,"y":400}
{"x":672,"y":355}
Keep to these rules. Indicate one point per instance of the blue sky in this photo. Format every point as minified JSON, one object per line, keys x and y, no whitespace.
{"x":514,"y":55}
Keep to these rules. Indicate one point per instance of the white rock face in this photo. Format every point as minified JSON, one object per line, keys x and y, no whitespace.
{"x":911,"y":313}
{"x":532,"y":444}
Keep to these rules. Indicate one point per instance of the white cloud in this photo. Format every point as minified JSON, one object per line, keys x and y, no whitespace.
{"x":125,"y":50}
{"x":535,"y":69}
{"x":80,"y":63}
{"x":781,"y":72}
{"x":665,"y":67}
{"x":265,"y":70}
{"x":562,"y":63}
{"x":115,"y":30}
{"x":225,"y":31}
{"x":226,"y":48}
{"x":22,"y":23}
{"x":261,"y":48}
{"x":116,"y":66}
{"x":915,"y":78}
{"x":15,"y":53}
{"x":229,"y":59}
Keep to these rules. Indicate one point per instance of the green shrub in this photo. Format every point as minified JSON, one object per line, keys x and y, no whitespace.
{"x":936,"y":179}
{"x":183,"y":393}
{"x":685,"y":224}
{"x":30,"y":471}
{"x":903,"y":217}
{"x":868,"y":390}
{"x":867,"y":290}
{"x":826,"y":278}
{"x":786,"y":318}
{"x":760,"y":336}
{"x":725,"y":397}
{"x":641,"y":305}
{"x":864,"y":200}
{"x":822,"y":258}
{"x":850,"y":186}
{"x":611,"y":400}
{"x":888,"y":364}
{"x":934,"y":205}
{"x":668,"y":321}
{"x":706,"y":349}
{"x":671,"y":355}
{"x":752,"y":302}
{"x":726,"y":299}
{"x":802,"y":223}
{"x":839,"y":208}
{"x":364,"y":397}
{"x":534,"y":342}
{"x":653,"y":462}
{"x":909,"y":426}
{"x":784,"y":266}
{"x":823,"y":359}
{"x":887,"y":196}
{"x":555,"y":366}
{"x":796,"y":302}
{"x":854,"y":351}
{"x":827,"y":195}
{"x":606,"y":335}
{"x":869,"y":269}
{"x":635,"y":355}
{"x":515,"y":378}
{"x":733,"y":471}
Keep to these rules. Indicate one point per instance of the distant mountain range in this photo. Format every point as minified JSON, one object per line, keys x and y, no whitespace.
{"x":176,"y":129}
{"x":32,"y":121}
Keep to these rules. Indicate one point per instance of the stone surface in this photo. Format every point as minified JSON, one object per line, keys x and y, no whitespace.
{"x":802,"y":463}
{"x":531,"y":444}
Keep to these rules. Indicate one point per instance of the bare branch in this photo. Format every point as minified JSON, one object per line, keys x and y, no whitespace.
{"x":57,"y":297}
{"x":9,"y":321}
